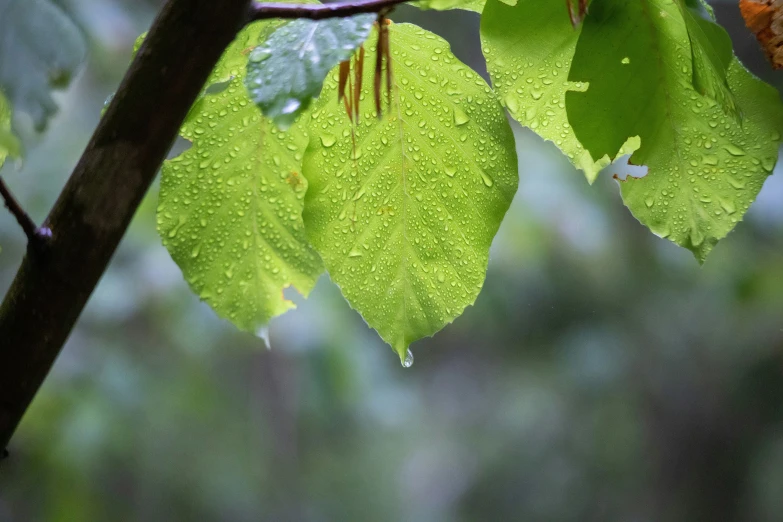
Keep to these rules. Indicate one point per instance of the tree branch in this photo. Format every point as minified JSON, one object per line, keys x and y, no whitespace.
{"x":36,"y":237}
{"x":112,"y":176}
{"x":104,"y":191}
{"x":264,"y":11}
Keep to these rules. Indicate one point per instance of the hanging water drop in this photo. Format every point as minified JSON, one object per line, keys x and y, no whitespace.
{"x":263,"y":334}
{"x":408,"y":361}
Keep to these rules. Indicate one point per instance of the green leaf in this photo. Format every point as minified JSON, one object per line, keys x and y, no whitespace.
{"x":704,"y":167}
{"x":711,"y":54}
{"x":40,"y":49}
{"x":230,"y":206}
{"x":404,"y":220}
{"x":528,"y":48}
{"x":442,"y":5}
{"x":9,"y":144}
{"x":477,"y":6}
{"x":288,"y":69}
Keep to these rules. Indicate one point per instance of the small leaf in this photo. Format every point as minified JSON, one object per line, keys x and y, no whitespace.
{"x":230,"y":206}
{"x":40,"y":49}
{"x":704,"y":167}
{"x":288,"y":69}
{"x":528,"y":48}
{"x":9,"y":144}
{"x":404,"y":219}
{"x":442,"y":5}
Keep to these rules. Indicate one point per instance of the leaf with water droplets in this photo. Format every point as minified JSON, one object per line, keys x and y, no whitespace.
{"x":528,"y":48}
{"x":704,"y":168}
{"x":230,"y":206}
{"x":286,"y":72}
{"x":403,"y":209}
{"x":711,"y":54}
{"x":40,"y":49}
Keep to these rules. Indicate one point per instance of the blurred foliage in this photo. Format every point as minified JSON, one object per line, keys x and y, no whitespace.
{"x":601,"y":375}
{"x":42,"y":49}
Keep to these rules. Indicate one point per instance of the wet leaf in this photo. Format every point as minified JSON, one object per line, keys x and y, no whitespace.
{"x":711,"y":54}
{"x":404,"y":219}
{"x":230,"y":206}
{"x":705,"y":168}
{"x":286,"y":72}
{"x":528,"y":48}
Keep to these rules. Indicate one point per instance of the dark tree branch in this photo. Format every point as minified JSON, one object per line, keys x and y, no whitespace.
{"x":104,"y":191}
{"x":36,"y":237}
{"x":111,"y":178}
{"x":264,"y":11}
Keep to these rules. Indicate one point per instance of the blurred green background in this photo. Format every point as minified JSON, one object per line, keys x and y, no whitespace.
{"x":601,"y":375}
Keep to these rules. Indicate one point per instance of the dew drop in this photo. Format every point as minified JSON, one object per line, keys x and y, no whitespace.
{"x":727,"y":206}
{"x":737,"y":184}
{"x":408,"y":361}
{"x":460,"y":118}
{"x":259,"y":54}
{"x":263,"y":334}
{"x":327,"y":140}
{"x":709,"y":159}
{"x":290,"y":106}
{"x":734,"y":150}
{"x":488,"y":181}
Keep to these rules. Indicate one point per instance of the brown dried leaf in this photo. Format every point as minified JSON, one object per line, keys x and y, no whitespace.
{"x":765,"y":19}
{"x":577,"y":13}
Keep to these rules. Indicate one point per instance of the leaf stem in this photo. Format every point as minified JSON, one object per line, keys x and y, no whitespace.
{"x":264,"y":11}
{"x":35,"y":236}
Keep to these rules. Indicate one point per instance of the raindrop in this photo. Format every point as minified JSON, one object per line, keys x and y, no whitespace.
{"x":734,"y":150}
{"x":263,"y":334}
{"x":408,"y":361}
{"x":290,"y":106}
{"x":488,"y":181}
{"x":259,"y":54}
{"x":327,"y":140}
{"x":460,"y":118}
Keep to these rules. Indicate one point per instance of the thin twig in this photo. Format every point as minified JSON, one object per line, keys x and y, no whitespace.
{"x":264,"y":11}
{"x":35,"y":235}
